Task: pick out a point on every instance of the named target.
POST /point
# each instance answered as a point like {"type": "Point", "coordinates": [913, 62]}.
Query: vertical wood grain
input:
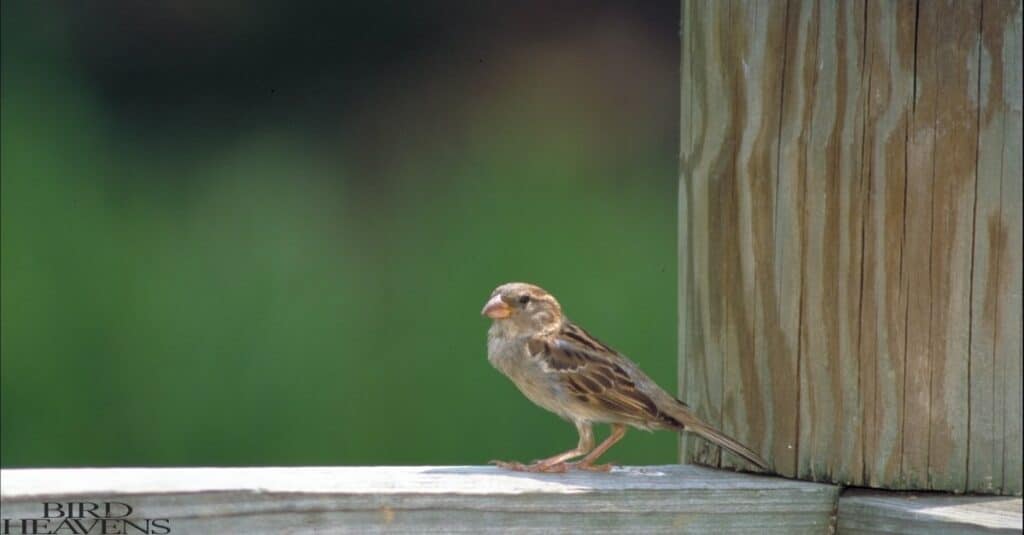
{"type": "Point", "coordinates": [1009, 346]}
{"type": "Point", "coordinates": [953, 203]}
{"type": "Point", "coordinates": [883, 310]}
{"type": "Point", "coordinates": [916, 271]}
{"type": "Point", "coordinates": [684, 222]}
{"type": "Point", "coordinates": [987, 388]}
{"type": "Point", "coordinates": [755, 82]}
{"type": "Point", "coordinates": [776, 302]}
{"type": "Point", "coordinates": [734, 230]}
{"type": "Point", "coordinates": [832, 260]}
{"type": "Point", "coordinates": [790, 165]}
{"type": "Point", "coordinates": [853, 190]}
{"type": "Point", "coordinates": [743, 184]}
{"type": "Point", "coordinates": [850, 221]}
{"type": "Point", "coordinates": [706, 136]}
{"type": "Point", "coordinates": [1009, 266]}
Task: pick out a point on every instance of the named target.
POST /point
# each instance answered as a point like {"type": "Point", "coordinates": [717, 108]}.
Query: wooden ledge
{"type": "Point", "coordinates": [870, 511]}
{"type": "Point", "coordinates": [670, 498]}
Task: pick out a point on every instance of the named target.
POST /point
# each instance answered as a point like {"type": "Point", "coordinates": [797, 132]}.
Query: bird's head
{"type": "Point", "coordinates": [523, 309]}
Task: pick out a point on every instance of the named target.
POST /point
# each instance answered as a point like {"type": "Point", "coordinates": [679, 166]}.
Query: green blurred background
{"type": "Point", "coordinates": [262, 233]}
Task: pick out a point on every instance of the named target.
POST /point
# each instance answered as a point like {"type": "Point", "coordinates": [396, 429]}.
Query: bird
{"type": "Point", "coordinates": [560, 367]}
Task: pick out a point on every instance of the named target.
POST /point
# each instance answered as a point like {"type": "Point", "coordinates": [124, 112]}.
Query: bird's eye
{"type": "Point", "coordinates": [523, 299]}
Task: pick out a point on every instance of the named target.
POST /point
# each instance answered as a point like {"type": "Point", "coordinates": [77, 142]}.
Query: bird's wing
{"type": "Point", "coordinates": [604, 379]}
{"type": "Point", "coordinates": [596, 374]}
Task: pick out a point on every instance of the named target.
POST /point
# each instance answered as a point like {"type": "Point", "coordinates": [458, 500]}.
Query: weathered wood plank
{"type": "Point", "coordinates": [736, 329]}
{"type": "Point", "coordinates": [1009, 350]}
{"type": "Point", "coordinates": [680, 499]}
{"type": "Point", "coordinates": [852, 189]}
{"type": "Point", "coordinates": [684, 223]}
{"type": "Point", "coordinates": [865, 511]}
{"type": "Point", "coordinates": [775, 352]}
{"type": "Point", "coordinates": [743, 64]}
{"type": "Point", "coordinates": [708, 117]}
{"type": "Point", "coordinates": [992, 276]}
{"type": "Point", "coordinates": [755, 78]}
{"type": "Point", "coordinates": [691, 322]}
{"type": "Point", "coordinates": [955, 161]}
{"type": "Point", "coordinates": [790, 165]}
{"type": "Point", "coordinates": [818, 312]}
{"type": "Point", "coordinates": [883, 311]}
{"type": "Point", "coordinates": [458, 521]}
{"type": "Point", "coordinates": [832, 261]}
{"type": "Point", "coordinates": [747, 189]}
{"type": "Point", "coordinates": [916, 275]}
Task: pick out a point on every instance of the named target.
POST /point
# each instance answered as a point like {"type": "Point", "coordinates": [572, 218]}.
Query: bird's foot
{"type": "Point", "coordinates": [536, 467]}
{"type": "Point", "coordinates": [509, 465]}
{"type": "Point", "coordinates": [593, 467]}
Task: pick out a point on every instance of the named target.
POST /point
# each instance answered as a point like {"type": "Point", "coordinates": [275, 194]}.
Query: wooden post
{"type": "Point", "coordinates": [850, 238]}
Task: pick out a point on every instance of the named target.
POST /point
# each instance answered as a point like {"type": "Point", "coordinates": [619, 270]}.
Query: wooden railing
{"type": "Point", "coordinates": [430, 498]}
{"type": "Point", "coordinates": [467, 499]}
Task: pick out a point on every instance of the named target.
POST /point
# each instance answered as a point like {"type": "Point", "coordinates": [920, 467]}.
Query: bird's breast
{"type": "Point", "coordinates": [507, 355]}
{"type": "Point", "coordinates": [510, 357]}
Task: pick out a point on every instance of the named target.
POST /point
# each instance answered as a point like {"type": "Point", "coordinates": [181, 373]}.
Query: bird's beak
{"type": "Point", "coordinates": [496, 308]}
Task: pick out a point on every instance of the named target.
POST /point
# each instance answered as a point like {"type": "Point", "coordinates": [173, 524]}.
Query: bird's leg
{"type": "Point", "coordinates": [556, 463]}
{"type": "Point", "coordinates": [587, 463]}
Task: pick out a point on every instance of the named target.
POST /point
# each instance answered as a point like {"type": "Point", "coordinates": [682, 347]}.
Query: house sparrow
{"type": "Point", "coordinates": [562, 368]}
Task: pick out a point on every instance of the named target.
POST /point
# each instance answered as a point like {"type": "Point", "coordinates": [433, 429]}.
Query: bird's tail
{"type": "Point", "coordinates": [721, 439]}
{"type": "Point", "coordinates": [692, 423]}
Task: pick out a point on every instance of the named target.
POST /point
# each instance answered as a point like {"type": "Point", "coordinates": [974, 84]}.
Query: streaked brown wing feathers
{"type": "Point", "coordinates": [588, 370]}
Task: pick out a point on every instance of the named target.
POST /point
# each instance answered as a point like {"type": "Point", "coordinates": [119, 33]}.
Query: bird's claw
{"type": "Point", "coordinates": [593, 467]}
{"type": "Point", "coordinates": [509, 465]}
{"type": "Point", "coordinates": [536, 467]}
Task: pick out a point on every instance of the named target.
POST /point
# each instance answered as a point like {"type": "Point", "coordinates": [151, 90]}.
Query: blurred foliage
{"type": "Point", "coordinates": [264, 237]}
